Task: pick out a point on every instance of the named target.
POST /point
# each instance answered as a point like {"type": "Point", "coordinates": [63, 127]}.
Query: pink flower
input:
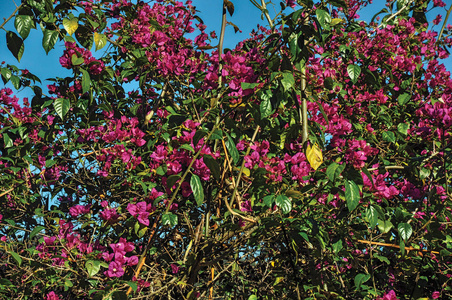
{"type": "Point", "coordinates": [436, 295]}
{"type": "Point", "coordinates": [52, 296]}
{"type": "Point", "coordinates": [175, 268]}
{"type": "Point", "coordinates": [438, 3]}
{"type": "Point", "coordinates": [391, 295]}
{"type": "Point", "coordinates": [437, 20]}
{"type": "Point", "coordinates": [290, 3]}
{"type": "Point", "coordinates": [114, 270]}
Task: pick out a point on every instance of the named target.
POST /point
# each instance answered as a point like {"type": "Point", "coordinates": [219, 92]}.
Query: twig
{"type": "Point", "coordinates": [143, 255]}
{"type": "Point", "coordinates": [235, 213]}
{"type": "Point", "coordinates": [243, 164]}
{"type": "Point", "coordinates": [9, 18]}
{"type": "Point", "coordinates": [396, 14]}
{"type": "Point", "coordinates": [265, 12]}
{"type": "Point", "coordinates": [397, 246]}
{"type": "Point", "coordinates": [6, 192]}
{"type": "Point", "coordinates": [387, 168]}
{"type": "Point", "coordinates": [188, 171]}
{"type": "Point", "coordinates": [444, 23]}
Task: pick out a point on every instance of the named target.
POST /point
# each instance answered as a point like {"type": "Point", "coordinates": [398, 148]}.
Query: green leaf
{"type": "Point", "coordinates": [49, 40]}
{"type": "Point", "coordinates": [187, 147]}
{"type": "Point", "coordinates": [70, 25]}
{"type": "Point", "coordinates": [93, 267]}
{"type": "Point", "coordinates": [133, 285]}
{"type": "Point", "coordinates": [389, 136]}
{"type": "Point", "coordinates": [6, 74]}
{"type": "Point", "coordinates": [7, 140]}
{"type": "Point", "coordinates": [36, 230]}
{"type": "Point", "coordinates": [404, 98]}
{"type": "Point", "coordinates": [284, 202]}
{"type": "Point", "coordinates": [372, 216]}
{"type": "Point", "coordinates": [265, 107]}
{"type": "Point", "coordinates": [15, 44]}
{"type": "Point", "coordinates": [338, 3]}
{"type": "Point", "coordinates": [216, 135]}
{"type": "Point", "coordinates": [16, 257]}
{"type": "Point", "coordinates": [324, 18]}
{"type": "Point", "coordinates": [213, 166]}
{"type": "Point", "coordinates": [351, 195]}
{"type": "Point", "coordinates": [405, 230]}
{"type": "Point", "coordinates": [337, 247]}
{"type": "Point", "coordinates": [333, 171]}
{"type": "Point", "coordinates": [360, 279]}
{"type": "Point", "coordinates": [169, 219]}
{"type": "Point", "coordinates": [86, 81]}
{"type": "Point", "coordinates": [403, 128]}
{"type": "Point", "coordinates": [23, 24]}
{"type": "Point", "coordinates": [76, 61]}
{"type": "Point", "coordinates": [196, 187]}
{"type": "Point", "coordinates": [84, 35]}
{"type": "Point", "coordinates": [62, 106]}
{"type": "Point", "coordinates": [171, 180]}
{"type": "Point", "coordinates": [100, 40]}
{"type": "Point", "coordinates": [269, 200]}
{"type": "Point", "coordinates": [354, 71]}
{"type": "Point", "coordinates": [232, 149]}
{"type": "Point", "coordinates": [287, 81]}
{"type": "Point", "coordinates": [252, 297]}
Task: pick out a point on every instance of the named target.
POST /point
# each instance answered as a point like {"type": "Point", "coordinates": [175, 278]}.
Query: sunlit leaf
{"type": "Point", "coordinates": [354, 71]}
{"type": "Point", "coordinates": [314, 156]}
{"type": "Point", "coordinates": [351, 195]}
{"type": "Point", "coordinates": [49, 39]}
{"type": "Point", "coordinates": [23, 24]}
{"type": "Point", "coordinates": [100, 40]}
{"type": "Point", "coordinates": [62, 106]}
{"type": "Point", "coordinates": [405, 230]}
{"type": "Point", "coordinates": [70, 25]}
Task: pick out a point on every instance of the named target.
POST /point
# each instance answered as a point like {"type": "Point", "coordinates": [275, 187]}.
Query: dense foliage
{"type": "Point", "coordinates": [312, 161]}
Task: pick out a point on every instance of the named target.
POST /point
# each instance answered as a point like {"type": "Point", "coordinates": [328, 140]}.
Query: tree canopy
{"type": "Point", "coordinates": [311, 161]}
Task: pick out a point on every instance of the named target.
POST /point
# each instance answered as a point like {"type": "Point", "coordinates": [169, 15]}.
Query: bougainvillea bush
{"type": "Point", "coordinates": [312, 161]}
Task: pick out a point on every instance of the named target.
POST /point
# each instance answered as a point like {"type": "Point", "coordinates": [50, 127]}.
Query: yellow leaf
{"type": "Point", "coordinates": [100, 40]}
{"type": "Point", "coordinates": [336, 21]}
{"type": "Point", "coordinates": [314, 156]}
{"type": "Point", "coordinates": [70, 25]}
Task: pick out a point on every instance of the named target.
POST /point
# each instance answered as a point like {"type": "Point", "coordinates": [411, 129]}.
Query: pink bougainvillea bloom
{"type": "Point", "coordinates": [52, 296]}
{"type": "Point", "coordinates": [290, 3]}
{"type": "Point", "coordinates": [436, 295]}
{"type": "Point", "coordinates": [438, 3]}
{"type": "Point", "coordinates": [437, 20]}
{"type": "Point", "coordinates": [391, 295]}
{"type": "Point", "coordinates": [114, 270]}
{"type": "Point", "coordinates": [175, 268]}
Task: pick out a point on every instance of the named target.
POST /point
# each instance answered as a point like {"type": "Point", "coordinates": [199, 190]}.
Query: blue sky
{"type": "Point", "coordinates": [246, 17]}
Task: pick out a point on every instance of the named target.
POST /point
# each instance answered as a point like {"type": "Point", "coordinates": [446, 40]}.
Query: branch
{"type": "Point", "coordinates": [9, 18]}
{"type": "Point", "coordinates": [387, 168]}
{"type": "Point", "coordinates": [396, 14]}
{"type": "Point", "coordinates": [6, 192]}
{"type": "Point", "coordinates": [444, 24]}
{"type": "Point", "coordinates": [143, 255]}
{"type": "Point", "coordinates": [265, 12]}
{"type": "Point", "coordinates": [243, 165]}
{"type": "Point", "coordinates": [188, 170]}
